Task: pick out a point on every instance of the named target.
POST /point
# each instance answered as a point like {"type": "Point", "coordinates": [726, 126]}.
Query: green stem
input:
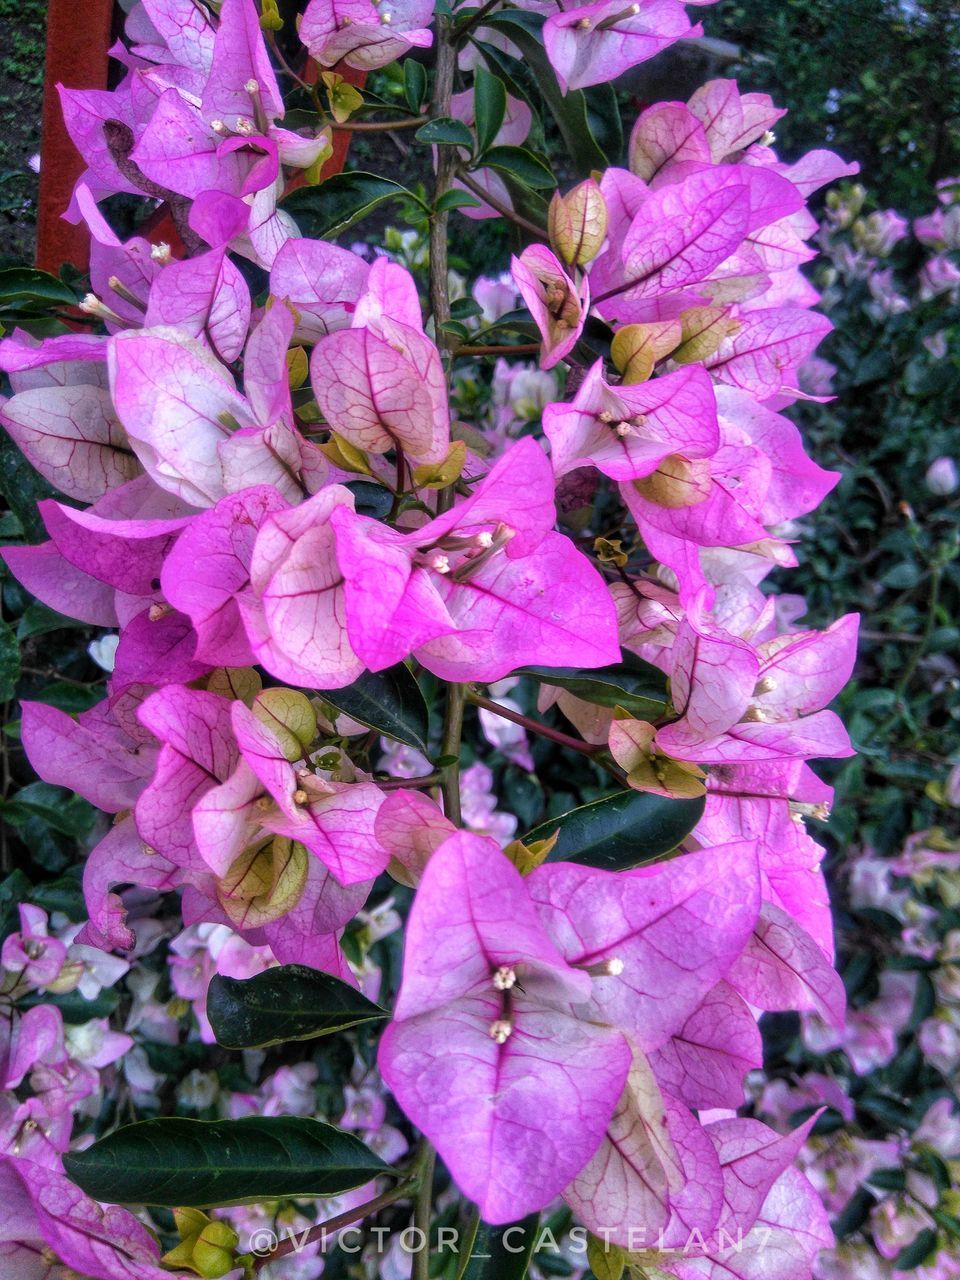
{"type": "Point", "coordinates": [422, 1211]}
{"type": "Point", "coordinates": [503, 209]}
{"type": "Point", "coordinates": [450, 748]}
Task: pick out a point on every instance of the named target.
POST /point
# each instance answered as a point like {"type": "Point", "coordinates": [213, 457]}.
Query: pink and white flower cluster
{"type": "Point", "coordinates": [573, 1032]}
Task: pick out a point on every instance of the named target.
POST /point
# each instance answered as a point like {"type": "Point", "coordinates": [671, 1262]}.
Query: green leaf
{"type": "Point", "coordinates": [489, 106]}
{"type": "Point", "coordinates": [620, 831]}
{"type": "Point", "coordinates": [178, 1162]}
{"type": "Point", "coordinates": [502, 1253]}
{"type": "Point", "coordinates": [38, 618]}
{"type": "Point", "coordinates": [465, 308]}
{"type": "Point", "coordinates": [445, 131]}
{"type": "Point", "coordinates": [55, 806]}
{"type": "Point", "coordinates": [329, 208]}
{"type": "Point", "coordinates": [456, 200]}
{"type": "Point", "coordinates": [633, 684]}
{"type": "Point", "coordinates": [917, 1251]}
{"type": "Point", "coordinates": [292, 1002]}
{"type": "Point", "coordinates": [521, 165]}
{"type": "Point", "coordinates": [9, 662]}
{"type": "Point", "coordinates": [569, 110]}
{"type": "Point", "coordinates": [26, 287]}
{"type": "Point", "coordinates": [75, 1008]}
{"type": "Point", "coordinates": [414, 84]}
{"type": "Point", "coordinates": [388, 701]}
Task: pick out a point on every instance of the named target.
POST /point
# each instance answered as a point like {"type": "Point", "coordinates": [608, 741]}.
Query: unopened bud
{"type": "Point", "coordinates": [440, 563]}
{"type": "Point", "coordinates": [577, 223]}
{"type": "Point", "coordinates": [501, 1031]}
{"type": "Point", "coordinates": [251, 87]}
{"type": "Point", "coordinates": [161, 253]}
{"type": "Point", "coordinates": [218, 126]}
{"type": "Point", "coordinates": [157, 611]}
{"type": "Point", "coordinates": [246, 128]}
{"type": "Point", "coordinates": [941, 477]}
{"type": "Point", "coordinates": [485, 539]}
{"type": "Point", "coordinates": [300, 797]}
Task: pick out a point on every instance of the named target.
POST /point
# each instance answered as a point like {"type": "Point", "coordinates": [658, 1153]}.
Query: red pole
{"type": "Point", "coordinates": [78, 37]}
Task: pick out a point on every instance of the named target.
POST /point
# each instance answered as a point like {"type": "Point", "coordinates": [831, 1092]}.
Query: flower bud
{"type": "Point", "coordinates": [213, 1253]}
{"type": "Point", "coordinates": [577, 223]}
{"type": "Point", "coordinates": [941, 477]}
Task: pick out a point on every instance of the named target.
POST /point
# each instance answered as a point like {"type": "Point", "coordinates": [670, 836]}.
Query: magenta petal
{"type": "Point", "coordinates": [583, 52]}
{"type": "Point", "coordinates": [210, 566]}
{"type": "Point", "coordinates": [239, 56]}
{"type": "Point", "coordinates": [380, 392]}
{"type": "Point", "coordinates": [664, 134]}
{"type": "Point", "coordinates": [322, 281]}
{"type": "Point", "coordinates": [72, 437]}
{"type": "Point", "coordinates": [515, 1122]}
{"type": "Point", "coordinates": [106, 767]}
{"type": "Point", "coordinates": [205, 297]}
{"type": "Point", "coordinates": [625, 1188]}
{"type": "Point", "coordinates": [752, 1158]}
{"type": "Point", "coordinates": [783, 968]}
{"type": "Point", "coordinates": [158, 650]}
{"type": "Point", "coordinates": [176, 402]}
{"type": "Point", "coordinates": [120, 858]}
{"type": "Point", "coordinates": [471, 915]}
{"type": "Point", "coordinates": [61, 585]}
{"type": "Point", "coordinates": [549, 608]}
{"type": "Point", "coordinates": [705, 1062]}
{"type": "Point", "coordinates": [676, 929]}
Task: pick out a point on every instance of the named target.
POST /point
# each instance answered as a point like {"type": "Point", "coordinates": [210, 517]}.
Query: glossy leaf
{"type": "Point", "coordinates": [174, 1161]}
{"type": "Point", "coordinates": [292, 1002]}
{"type": "Point", "coordinates": [502, 1253]}
{"type": "Point", "coordinates": [331, 207]}
{"type": "Point", "coordinates": [632, 684]}
{"type": "Point", "coordinates": [388, 701]}
{"type": "Point", "coordinates": [570, 110]}
{"type": "Point", "coordinates": [414, 83]}
{"type": "Point", "coordinates": [489, 107]}
{"type": "Point", "coordinates": [619, 831]}
{"type": "Point", "coordinates": [25, 287]}
{"type": "Point", "coordinates": [446, 131]}
{"type": "Point", "coordinates": [521, 165]}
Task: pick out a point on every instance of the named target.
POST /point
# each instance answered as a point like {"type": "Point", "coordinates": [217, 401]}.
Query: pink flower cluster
{"type": "Point", "coordinates": [572, 1032]}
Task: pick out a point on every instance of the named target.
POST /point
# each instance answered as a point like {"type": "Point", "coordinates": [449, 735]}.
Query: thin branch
{"type": "Point", "coordinates": [535, 726]}
{"type": "Point", "coordinates": [294, 1243]}
{"type": "Point", "coordinates": [379, 126]}
{"type": "Point", "coordinates": [422, 1212]}
{"type": "Point", "coordinates": [503, 209]}
{"type": "Point", "coordinates": [521, 349]}
{"type": "Point", "coordinates": [397, 784]}
{"type": "Point", "coordinates": [476, 20]}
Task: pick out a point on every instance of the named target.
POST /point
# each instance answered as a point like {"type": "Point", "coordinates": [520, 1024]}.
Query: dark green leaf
{"type": "Point", "coordinates": [502, 1253]}
{"type": "Point", "coordinates": [75, 1008]}
{"type": "Point", "coordinates": [292, 1002]}
{"type": "Point", "coordinates": [26, 287]}
{"type": "Point", "coordinates": [917, 1251]}
{"type": "Point", "coordinates": [465, 308]}
{"type": "Point", "coordinates": [521, 165]}
{"type": "Point", "coordinates": [54, 806]}
{"type": "Point", "coordinates": [175, 1161]}
{"type": "Point", "coordinates": [633, 684]}
{"type": "Point", "coordinates": [38, 618]}
{"type": "Point", "coordinates": [9, 662]}
{"type": "Point", "coordinates": [414, 83]}
{"type": "Point", "coordinates": [569, 110]}
{"type": "Point", "coordinates": [620, 831]}
{"type": "Point", "coordinates": [447, 131]}
{"type": "Point", "coordinates": [388, 701]}
{"type": "Point", "coordinates": [456, 200]}
{"type": "Point", "coordinates": [489, 106]}
{"type": "Point", "coordinates": [370, 499]}
{"type": "Point", "coordinates": [331, 207]}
